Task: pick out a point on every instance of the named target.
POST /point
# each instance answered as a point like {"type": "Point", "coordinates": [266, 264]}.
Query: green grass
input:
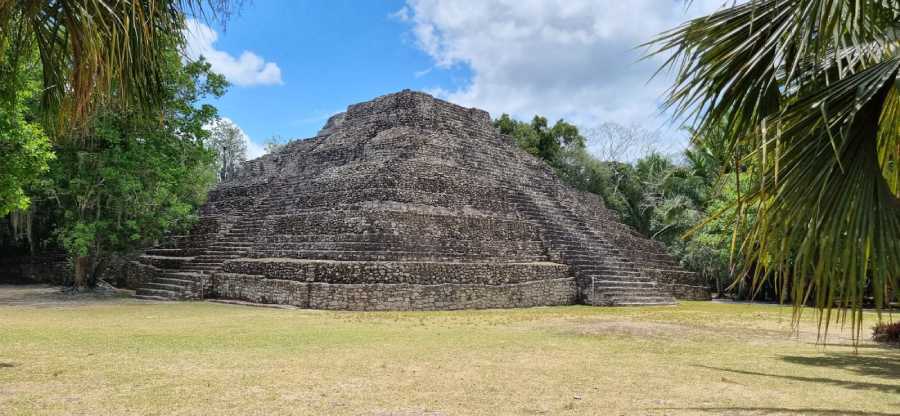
{"type": "Point", "coordinates": [120, 356]}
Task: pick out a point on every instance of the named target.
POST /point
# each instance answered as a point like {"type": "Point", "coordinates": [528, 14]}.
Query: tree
{"type": "Point", "coordinates": [705, 245]}
{"type": "Point", "coordinates": [134, 178]}
{"type": "Point", "coordinates": [808, 88]}
{"type": "Point", "coordinates": [613, 141]}
{"type": "Point", "coordinates": [89, 54]}
{"type": "Point", "coordinates": [24, 146]}
{"type": "Point", "coordinates": [227, 140]}
{"type": "Point", "coordinates": [94, 51]}
{"type": "Point", "coordinates": [539, 139]}
{"type": "Point", "coordinates": [274, 144]}
{"type": "Point", "coordinates": [655, 196]}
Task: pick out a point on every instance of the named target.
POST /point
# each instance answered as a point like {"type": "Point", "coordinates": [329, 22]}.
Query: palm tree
{"type": "Point", "coordinates": [809, 88]}
{"type": "Point", "coordinates": [90, 48]}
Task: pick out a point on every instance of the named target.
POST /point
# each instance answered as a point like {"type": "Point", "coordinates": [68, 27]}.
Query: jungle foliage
{"type": "Point", "coordinates": [662, 198]}
{"type": "Point", "coordinates": [808, 93]}
{"type": "Point", "coordinates": [134, 177]}
{"type": "Point", "coordinates": [120, 181]}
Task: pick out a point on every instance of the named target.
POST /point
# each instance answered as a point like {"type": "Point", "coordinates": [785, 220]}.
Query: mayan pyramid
{"type": "Point", "coordinates": [409, 202]}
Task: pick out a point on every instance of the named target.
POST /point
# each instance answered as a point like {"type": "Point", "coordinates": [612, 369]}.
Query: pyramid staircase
{"type": "Point", "coordinates": [605, 276]}
{"type": "Point", "coordinates": [184, 276]}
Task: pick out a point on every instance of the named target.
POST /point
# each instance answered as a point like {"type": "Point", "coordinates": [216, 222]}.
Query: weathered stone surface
{"type": "Point", "coordinates": [409, 202]}
{"type": "Point", "coordinates": [396, 296]}
{"type": "Point", "coordinates": [391, 272]}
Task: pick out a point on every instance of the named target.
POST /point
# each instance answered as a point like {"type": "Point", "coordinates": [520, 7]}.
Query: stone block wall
{"type": "Point", "coordinates": [390, 272]}
{"type": "Point", "coordinates": [50, 267]}
{"type": "Point", "coordinates": [397, 296]}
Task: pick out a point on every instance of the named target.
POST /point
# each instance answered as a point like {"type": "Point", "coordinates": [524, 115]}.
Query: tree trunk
{"type": "Point", "coordinates": [82, 272]}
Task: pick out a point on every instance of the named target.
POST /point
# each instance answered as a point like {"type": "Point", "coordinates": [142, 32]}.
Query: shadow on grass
{"type": "Point", "coordinates": [885, 364]}
{"type": "Point", "coordinates": [853, 385]}
{"type": "Point", "coordinates": [780, 411]}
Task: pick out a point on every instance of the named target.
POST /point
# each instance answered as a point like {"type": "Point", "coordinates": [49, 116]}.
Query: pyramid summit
{"type": "Point", "coordinates": [409, 202]}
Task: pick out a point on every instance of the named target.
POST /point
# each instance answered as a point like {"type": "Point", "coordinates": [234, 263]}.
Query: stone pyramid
{"type": "Point", "coordinates": [409, 202]}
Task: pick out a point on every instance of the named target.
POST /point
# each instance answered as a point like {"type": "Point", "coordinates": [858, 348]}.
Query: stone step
{"type": "Point", "coordinates": [583, 262]}
{"type": "Point", "coordinates": [235, 241]}
{"type": "Point", "coordinates": [626, 288]}
{"type": "Point", "coordinates": [159, 257]}
{"type": "Point", "coordinates": [223, 242]}
{"type": "Point", "coordinates": [214, 257]}
{"type": "Point", "coordinates": [157, 292]}
{"type": "Point", "coordinates": [643, 301]}
{"type": "Point", "coordinates": [170, 252]}
{"type": "Point", "coordinates": [151, 297]}
{"type": "Point", "coordinates": [164, 286]}
{"type": "Point", "coordinates": [228, 247]}
{"type": "Point", "coordinates": [380, 238]}
{"type": "Point", "coordinates": [244, 230]}
{"type": "Point", "coordinates": [225, 253]}
{"type": "Point", "coordinates": [618, 292]}
{"type": "Point", "coordinates": [170, 281]}
{"type": "Point", "coordinates": [601, 272]}
{"type": "Point", "coordinates": [182, 275]}
{"type": "Point", "coordinates": [203, 267]}
{"type": "Point", "coordinates": [164, 262]}
{"type": "Point", "coordinates": [629, 284]}
{"type": "Point", "coordinates": [391, 255]}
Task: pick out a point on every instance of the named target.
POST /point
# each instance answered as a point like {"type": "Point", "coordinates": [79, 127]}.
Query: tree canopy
{"type": "Point", "coordinates": [226, 140]}
{"type": "Point", "coordinates": [133, 180]}
{"type": "Point", "coordinates": [539, 139]}
{"type": "Point", "coordinates": [24, 143]}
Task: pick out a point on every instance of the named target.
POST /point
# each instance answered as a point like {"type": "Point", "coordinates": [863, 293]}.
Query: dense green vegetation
{"type": "Point", "coordinates": [121, 155]}
{"type": "Point", "coordinates": [807, 92]}
{"type": "Point", "coordinates": [134, 178]}
{"type": "Point", "coordinates": [128, 177]}
{"type": "Point", "coordinates": [23, 142]}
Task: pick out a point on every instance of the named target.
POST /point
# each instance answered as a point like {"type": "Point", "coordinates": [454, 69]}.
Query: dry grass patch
{"type": "Point", "coordinates": [120, 356]}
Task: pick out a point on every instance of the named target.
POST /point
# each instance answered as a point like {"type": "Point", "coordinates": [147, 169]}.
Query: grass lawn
{"type": "Point", "coordinates": [123, 356]}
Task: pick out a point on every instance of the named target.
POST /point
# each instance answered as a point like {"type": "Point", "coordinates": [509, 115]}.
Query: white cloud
{"type": "Point", "coordinates": [245, 70]}
{"type": "Point", "coordinates": [575, 59]}
{"type": "Point", "coordinates": [254, 150]}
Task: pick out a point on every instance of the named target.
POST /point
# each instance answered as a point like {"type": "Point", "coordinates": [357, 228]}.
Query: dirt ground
{"type": "Point", "coordinates": [42, 296]}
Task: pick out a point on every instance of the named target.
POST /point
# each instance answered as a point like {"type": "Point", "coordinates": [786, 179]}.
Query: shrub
{"type": "Point", "coordinates": [887, 332]}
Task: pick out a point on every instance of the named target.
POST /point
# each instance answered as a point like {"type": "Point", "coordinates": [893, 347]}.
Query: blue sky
{"type": "Point", "coordinates": [294, 63]}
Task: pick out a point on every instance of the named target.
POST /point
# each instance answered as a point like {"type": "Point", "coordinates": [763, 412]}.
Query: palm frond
{"type": "Point", "coordinates": [101, 50]}
{"type": "Point", "coordinates": [807, 92]}
{"type": "Point", "coordinates": [734, 65]}
{"type": "Point", "coordinates": [830, 223]}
